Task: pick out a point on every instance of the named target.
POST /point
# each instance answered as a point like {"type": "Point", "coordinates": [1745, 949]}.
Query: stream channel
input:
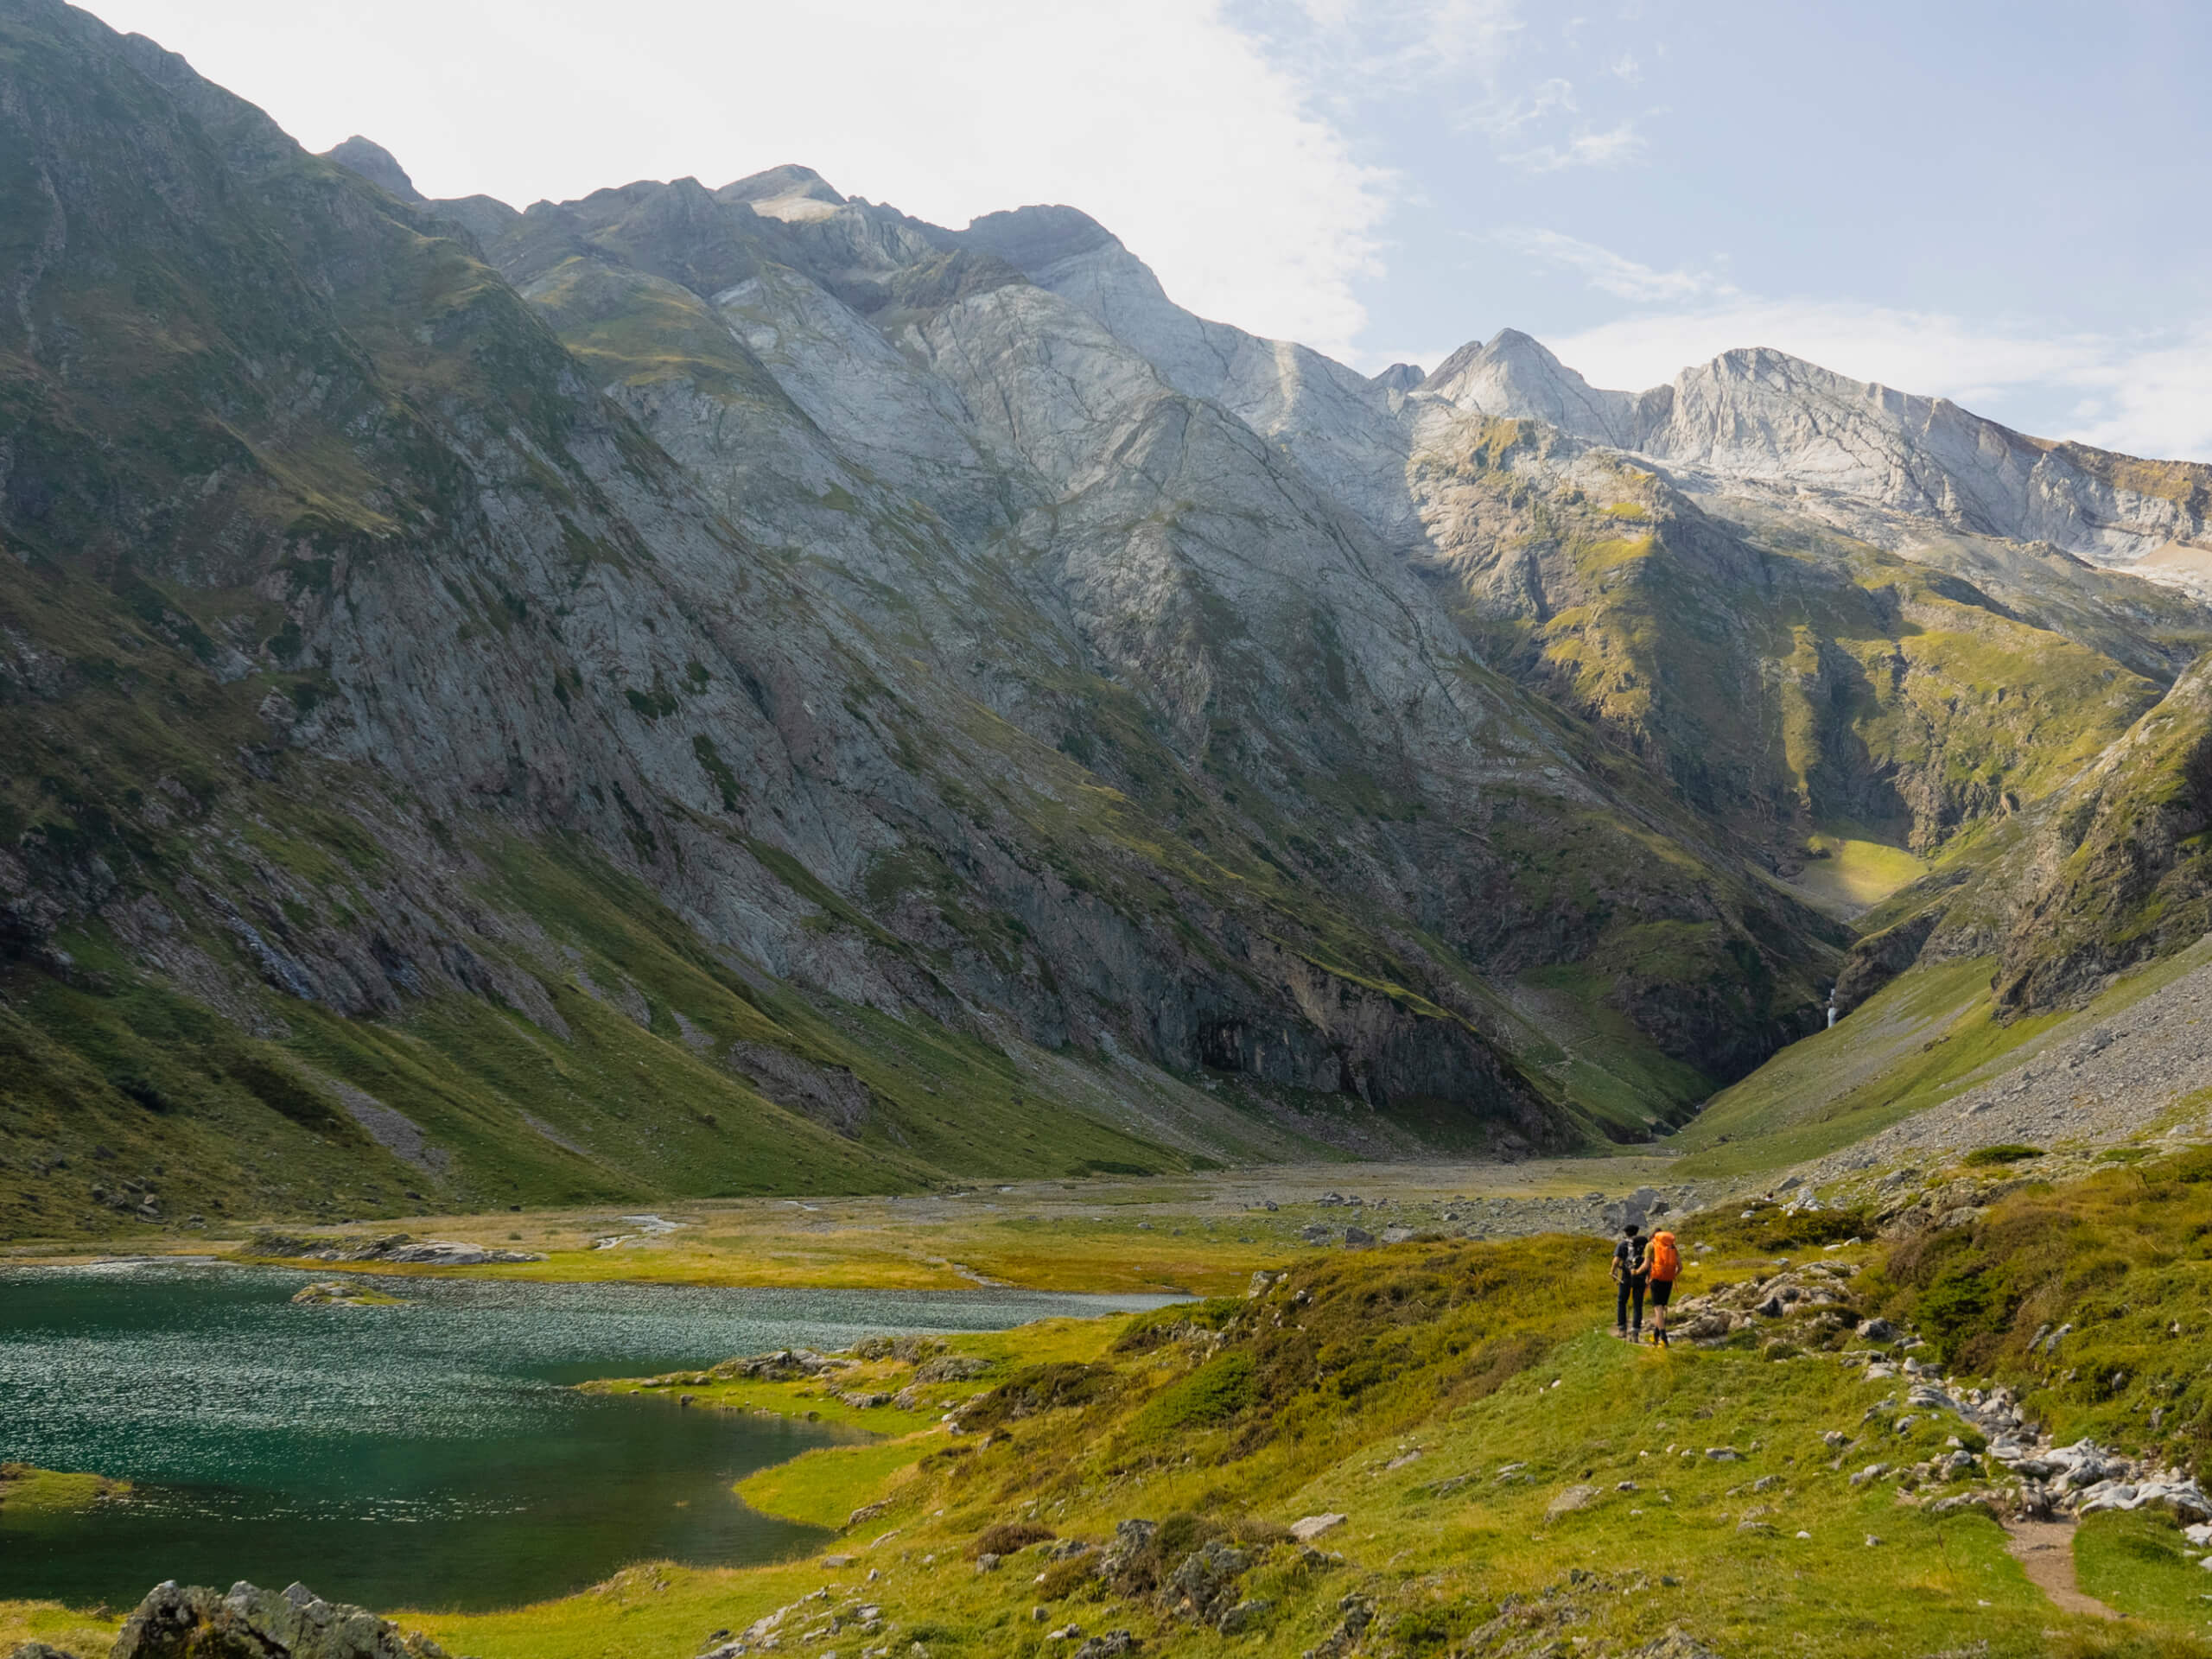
{"type": "Point", "coordinates": [430, 1455]}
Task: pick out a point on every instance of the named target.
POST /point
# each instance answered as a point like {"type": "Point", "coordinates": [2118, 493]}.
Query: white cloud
{"type": "Point", "coordinates": [2154, 400]}
{"type": "Point", "coordinates": [1172, 127]}
{"type": "Point", "coordinates": [1607, 271]}
{"type": "Point", "coordinates": [1388, 46]}
{"type": "Point", "coordinates": [1611, 148]}
{"type": "Point", "coordinates": [1472, 57]}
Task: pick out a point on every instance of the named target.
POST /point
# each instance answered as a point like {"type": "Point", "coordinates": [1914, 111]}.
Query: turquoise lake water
{"type": "Point", "coordinates": [430, 1455]}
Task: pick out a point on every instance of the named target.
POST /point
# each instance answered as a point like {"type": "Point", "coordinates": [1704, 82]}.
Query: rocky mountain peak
{"type": "Point", "coordinates": [1516, 376]}
{"type": "Point", "coordinates": [789, 192]}
{"type": "Point", "coordinates": [1035, 240]}
{"type": "Point", "coordinates": [376, 164]}
{"type": "Point", "coordinates": [789, 180]}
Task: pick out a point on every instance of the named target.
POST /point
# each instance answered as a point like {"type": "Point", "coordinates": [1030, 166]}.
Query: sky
{"type": "Point", "coordinates": [1998, 203]}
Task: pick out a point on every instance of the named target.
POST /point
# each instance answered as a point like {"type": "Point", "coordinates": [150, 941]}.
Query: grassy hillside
{"type": "Point", "coordinates": [1781, 677]}
{"type": "Point", "coordinates": [619, 1085]}
{"type": "Point", "coordinates": [1927, 1035]}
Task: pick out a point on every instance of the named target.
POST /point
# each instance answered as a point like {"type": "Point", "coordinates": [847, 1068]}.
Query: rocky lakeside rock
{"type": "Point", "coordinates": [332, 1293]}
{"type": "Point", "coordinates": [246, 1622]}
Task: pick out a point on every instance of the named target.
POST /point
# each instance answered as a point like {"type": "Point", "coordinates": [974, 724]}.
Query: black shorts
{"type": "Point", "coordinates": [1658, 1291]}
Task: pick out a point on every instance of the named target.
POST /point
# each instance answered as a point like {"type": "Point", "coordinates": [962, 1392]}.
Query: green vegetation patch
{"type": "Point", "coordinates": [823, 1487]}
{"type": "Point", "coordinates": [2011, 1152]}
{"type": "Point", "coordinates": [26, 1491]}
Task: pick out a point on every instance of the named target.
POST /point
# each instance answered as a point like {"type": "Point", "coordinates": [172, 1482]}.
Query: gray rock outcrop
{"type": "Point", "coordinates": [246, 1622]}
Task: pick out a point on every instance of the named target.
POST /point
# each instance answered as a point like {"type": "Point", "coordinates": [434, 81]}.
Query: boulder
{"type": "Point", "coordinates": [780, 1365]}
{"type": "Point", "coordinates": [1202, 1586]}
{"type": "Point", "coordinates": [175, 1621]}
{"type": "Point", "coordinates": [1574, 1498]}
{"type": "Point", "coordinates": [1112, 1645]}
{"type": "Point", "coordinates": [1358, 1235]}
{"type": "Point", "coordinates": [1245, 1615]}
{"type": "Point", "coordinates": [1674, 1645]}
{"type": "Point", "coordinates": [951, 1368]}
{"type": "Point", "coordinates": [1131, 1538]}
{"type": "Point", "coordinates": [1312, 1526]}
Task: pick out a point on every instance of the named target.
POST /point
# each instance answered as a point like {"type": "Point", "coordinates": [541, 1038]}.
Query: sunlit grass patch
{"type": "Point", "coordinates": [824, 1486]}
{"type": "Point", "coordinates": [25, 1490]}
{"type": "Point", "coordinates": [1846, 873]}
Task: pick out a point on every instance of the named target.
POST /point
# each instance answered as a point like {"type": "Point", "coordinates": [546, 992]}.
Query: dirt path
{"type": "Point", "coordinates": [2045, 1550]}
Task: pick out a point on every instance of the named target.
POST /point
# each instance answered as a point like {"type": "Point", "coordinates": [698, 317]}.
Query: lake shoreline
{"type": "Point", "coordinates": [442, 1445]}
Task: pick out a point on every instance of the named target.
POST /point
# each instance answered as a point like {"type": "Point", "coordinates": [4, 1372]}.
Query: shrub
{"type": "Point", "coordinates": [1981, 1157]}
{"type": "Point", "coordinates": [1166, 1325]}
{"type": "Point", "coordinates": [1007, 1536]}
{"type": "Point", "coordinates": [1063, 1579]}
{"type": "Point", "coordinates": [1217, 1391]}
{"type": "Point", "coordinates": [1056, 1387]}
{"type": "Point", "coordinates": [1770, 1231]}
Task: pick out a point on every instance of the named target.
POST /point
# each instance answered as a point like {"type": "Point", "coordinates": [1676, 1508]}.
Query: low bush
{"type": "Point", "coordinates": [1058, 1386]}
{"type": "Point", "coordinates": [1007, 1536]}
{"type": "Point", "coordinates": [2015, 1152]}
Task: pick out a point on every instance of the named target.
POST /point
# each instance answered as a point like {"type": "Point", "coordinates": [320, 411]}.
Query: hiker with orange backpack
{"type": "Point", "coordinates": [1663, 1265]}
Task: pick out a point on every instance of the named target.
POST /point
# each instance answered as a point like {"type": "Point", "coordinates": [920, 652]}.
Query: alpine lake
{"type": "Point", "coordinates": [431, 1453]}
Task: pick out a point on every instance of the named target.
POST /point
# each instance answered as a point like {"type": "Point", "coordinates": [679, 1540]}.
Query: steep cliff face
{"type": "Point", "coordinates": [1143, 551]}
{"type": "Point", "coordinates": [704, 689]}
{"type": "Point", "coordinates": [739, 691]}
{"type": "Point", "coordinates": [2119, 873]}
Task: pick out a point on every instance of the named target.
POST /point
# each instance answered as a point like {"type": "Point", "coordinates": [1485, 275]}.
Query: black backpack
{"type": "Point", "coordinates": [1628, 1253]}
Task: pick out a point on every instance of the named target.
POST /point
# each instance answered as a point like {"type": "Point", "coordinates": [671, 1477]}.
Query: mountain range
{"type": "Point", "coordinates": [701, 690]}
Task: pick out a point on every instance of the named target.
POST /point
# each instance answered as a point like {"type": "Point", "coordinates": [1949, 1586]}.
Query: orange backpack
{"type": "Point", "coordinates": [1666, 1260]}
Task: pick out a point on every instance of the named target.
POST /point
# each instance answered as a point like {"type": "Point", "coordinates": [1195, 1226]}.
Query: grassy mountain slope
{"type": "Point", "coordinates": [1786, 679]}
{"type": "Point", "coordinates": [2120, 873]}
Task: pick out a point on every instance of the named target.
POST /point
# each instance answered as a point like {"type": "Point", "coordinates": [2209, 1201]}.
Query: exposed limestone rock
{"type": "Point", "coordinates": [249, 1622]}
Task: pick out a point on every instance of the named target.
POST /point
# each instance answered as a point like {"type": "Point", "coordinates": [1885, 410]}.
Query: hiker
{"type": "Point", "coordinates": [1663, 1265]}
{"type": "Point", "coordinates": [1628, 1273]}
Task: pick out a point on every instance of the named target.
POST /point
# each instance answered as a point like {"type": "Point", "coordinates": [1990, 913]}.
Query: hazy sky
{"type": "Point", "coordinates": [2000, 203]}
